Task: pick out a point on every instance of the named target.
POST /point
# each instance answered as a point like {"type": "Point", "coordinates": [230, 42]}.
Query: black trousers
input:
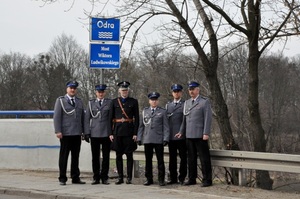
{"type": "Point", "coordinates": [199, 147]}
{"type": "Point", "coordinates": [177, 147]}
{"type": "Point", "coordinates": [69, 144]}
{"type": "Point", "coordinates": [124, 147]}
{"type": "Point", "coordinates": [159, 152]}
{"type": "Point", "coordinates": [104, 144]}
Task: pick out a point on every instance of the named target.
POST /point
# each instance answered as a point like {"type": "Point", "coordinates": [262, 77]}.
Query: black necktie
{"type": "Point", "coordinates": [152, 111]}
{"type": "Point", "coordinates": [193, 102]}
{"type": "Point", "coordinates": [176, 103]}
{"type": "Point", "coordinates": [100, 102]}
{"type": "Point", "coordinates": [72, 102]}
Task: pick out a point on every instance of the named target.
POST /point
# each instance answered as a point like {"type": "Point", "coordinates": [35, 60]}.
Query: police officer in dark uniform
{"type": "Point", "coordinates": [68, 121]}
{"type": "Point", "coordinates": [125, 114]}
{"type": "Point", "coordinates": [154, 134]}
{"type": "Point", "coordinates": [176, 145]}
{"type": "Point", "coordinates": [97, 131]}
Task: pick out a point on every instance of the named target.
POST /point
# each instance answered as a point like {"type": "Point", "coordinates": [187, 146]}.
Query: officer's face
{"type": "Point", "coordinates": [194, 91]}
{"type": "Point", "coordinates": [71, 91]}
{"type": "Point", "coordinates": [100, 94]}
{"type": "Point", "coordinates": [124, 93]}
{"type": "Point", "coordinates": [177, 94]}
{"type": "Point", "coordinates": [153, 103]}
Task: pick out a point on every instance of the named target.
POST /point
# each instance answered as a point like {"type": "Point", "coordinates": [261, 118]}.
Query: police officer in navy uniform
{"type": "Point", "coordinates": [97, 132]}
{"type": "Point", "coordinates": [68, 121]}
{"type": "Point", "coordinates": [176, 145]}
{"type": "Point", "coordinates": [125, 114]}
{"type": "Point", "coordinates": [196, 127]}
{"type": "Point", "coordinates": [154, 134]}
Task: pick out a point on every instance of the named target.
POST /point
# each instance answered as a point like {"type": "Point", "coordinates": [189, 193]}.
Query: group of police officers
{"type": "Point", "coordinates": [115, 124]}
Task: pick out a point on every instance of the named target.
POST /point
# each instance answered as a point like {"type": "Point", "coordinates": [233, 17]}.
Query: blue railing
{"type": "Point", "coordinates": [28, 112]}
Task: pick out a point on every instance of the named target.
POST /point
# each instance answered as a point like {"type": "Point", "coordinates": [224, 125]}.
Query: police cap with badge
{"type": "Point", "coordinates": [100, 87]}
{"type": "Point", "coordinates": [124, 85]}
{"type": "Point", "coordinates": [176, 87]}
{"type": "Point", "coordinates": [153, 95]}
{"type": "Point", "coordinates": [72, 84]}
{"type": "Point", "coordinates": [193, 84]}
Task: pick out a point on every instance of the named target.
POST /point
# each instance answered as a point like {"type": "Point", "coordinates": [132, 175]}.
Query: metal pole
{"type": "Point", "coordinates": [101, 76]}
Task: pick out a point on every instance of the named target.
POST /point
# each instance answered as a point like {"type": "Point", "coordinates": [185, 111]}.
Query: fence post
{"type": "Point", "coordinates": [242, 177]}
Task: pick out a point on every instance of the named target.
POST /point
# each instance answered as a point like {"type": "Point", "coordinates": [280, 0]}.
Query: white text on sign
{"type": "Point", "coordinates": [100, 24]}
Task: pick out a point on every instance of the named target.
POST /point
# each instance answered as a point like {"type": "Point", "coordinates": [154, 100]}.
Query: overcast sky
{"type": "Point", "coordinates": [29, 28]}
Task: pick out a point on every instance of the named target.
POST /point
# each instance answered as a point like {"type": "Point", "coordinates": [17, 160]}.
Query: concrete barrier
{"type": "Point", "coordinates": [32, 144]}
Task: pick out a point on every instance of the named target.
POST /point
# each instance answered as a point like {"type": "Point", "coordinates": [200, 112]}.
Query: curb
{"type": "Point", "coordinates": [36, 194]}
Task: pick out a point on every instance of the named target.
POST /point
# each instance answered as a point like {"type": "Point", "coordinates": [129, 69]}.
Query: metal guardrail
{"type": "Point", "coordinates": [17, 113]}
{"type": "Point", "coordinates": [241, 160]}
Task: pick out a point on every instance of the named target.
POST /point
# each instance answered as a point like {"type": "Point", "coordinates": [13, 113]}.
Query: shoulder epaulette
{"type": "Point", "coordinates": [161, 108]}
{"type": "Point", "coordinates": [204, 97]}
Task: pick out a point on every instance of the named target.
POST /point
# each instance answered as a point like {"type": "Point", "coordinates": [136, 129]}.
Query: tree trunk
{"type": "Point", "coordinates": [259, 141]}
{"type": "Point", "coordinates": [221, 111]}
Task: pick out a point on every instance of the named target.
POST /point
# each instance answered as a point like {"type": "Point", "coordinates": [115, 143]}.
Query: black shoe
{"type": "Point", "coordinates": [206, 184]}
{"type": "Point", "coordinates": [95, 182]}
{"type": "Point", "coordinates": [181, 182]}
{"type": "Point", "coordinates": [105, 181]}
{"type": "Point", "coordinates": [128, 181]}
{"type": "Point", "coordinates": [148, 182]}
{"type": "Point", "coordinates": [62, 183]}
{"type": "Point", "coordinates": [172, 182]}
{"type": "Point", "coordinates": [78, 182]}
{"type": "Point", "coordinates": [161, 183]}
{"type": "Point", "coordinates": [190, 182]}
{"type": "Point", "coordinates": [120, 181]}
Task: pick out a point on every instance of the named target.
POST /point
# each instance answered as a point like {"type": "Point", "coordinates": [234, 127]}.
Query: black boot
{"type": "Point", "coordinates": [119, 181]}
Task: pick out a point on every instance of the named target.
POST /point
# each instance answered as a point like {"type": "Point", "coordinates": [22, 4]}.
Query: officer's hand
{"type": "Point", "coordinates": [87, 138]}
{"type": "Point", "coordinates": [139, 143]}
{"type": "Point", "coordinates": [165, 143]}
{"type": "Point", "coordinates": [178, 135]}
{"type": "Point", "coordinates": [111, 137]}
{"type": "Point", "coordinates": [59, 135]}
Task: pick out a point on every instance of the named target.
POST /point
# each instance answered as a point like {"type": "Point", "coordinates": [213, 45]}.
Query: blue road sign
{"type": "Point", "coordinates": [105, 29]}
{"type": "Point", "coordinates": [105, 56]}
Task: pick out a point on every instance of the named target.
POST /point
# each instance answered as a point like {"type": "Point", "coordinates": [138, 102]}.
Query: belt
{"type": "Point", "coordinates": [122, 120]}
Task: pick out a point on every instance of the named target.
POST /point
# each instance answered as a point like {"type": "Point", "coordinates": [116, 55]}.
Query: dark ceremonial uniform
{"type": "Point", "coordinates": [125, 114]}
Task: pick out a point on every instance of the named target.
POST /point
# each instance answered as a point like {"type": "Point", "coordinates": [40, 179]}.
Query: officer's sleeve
{"type": "Point", "coordinates": [136, 118]}
{"type": "Point", "coordinates": [166, 130]}
{"type": "Point", "coordinates": [141, 130]}
{"type": "Point", "coordinates": [57, 116]}
{"type": "Point", "coordinates": [87, 118]}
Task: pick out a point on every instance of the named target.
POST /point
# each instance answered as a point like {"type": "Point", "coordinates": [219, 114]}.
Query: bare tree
{"type": "Point", "coordinates": [13, 87]}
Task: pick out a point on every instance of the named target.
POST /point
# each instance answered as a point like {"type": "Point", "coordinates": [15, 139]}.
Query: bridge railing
{"type": "Point", "coordinates": [241, 160]}
{"type": "Point", "coordinates": [18, 113]}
